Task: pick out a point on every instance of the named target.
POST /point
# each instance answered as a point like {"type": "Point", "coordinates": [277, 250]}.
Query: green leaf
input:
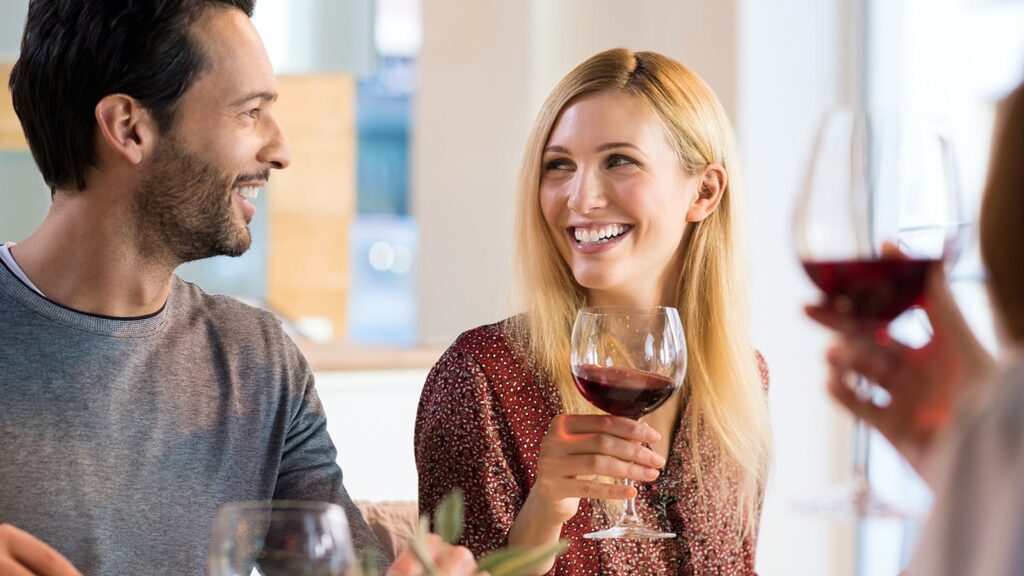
{"type": "Point", "coordinates": [448, 517]}
{"type": "Point", "coordinates": [419, 548]}
{"type": "Point", "coordinates": [366, 565]}
{"type": "Point", "coordinates": [518, 561]}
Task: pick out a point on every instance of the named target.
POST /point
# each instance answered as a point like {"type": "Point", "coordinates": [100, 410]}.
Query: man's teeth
{"type": "Point", "coordinates": [599, 235]}
{"type": "Point", "coordinates": [249, 192]}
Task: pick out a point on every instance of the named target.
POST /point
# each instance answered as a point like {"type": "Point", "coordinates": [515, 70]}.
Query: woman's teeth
{"type": "Point", "coordinates": [599, 235]}
{"type": "Point", "coordinates": [249, 192]}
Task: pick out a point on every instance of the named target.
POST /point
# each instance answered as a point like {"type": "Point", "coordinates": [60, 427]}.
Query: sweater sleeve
{"type": "Point", "coordinates": [459, 445]}
{"type": "Point", "coordinates": [309, 468]}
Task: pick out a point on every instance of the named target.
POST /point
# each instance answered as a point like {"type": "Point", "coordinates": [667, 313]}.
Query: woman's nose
{"type": "Point", "coordinates": [587, 193]}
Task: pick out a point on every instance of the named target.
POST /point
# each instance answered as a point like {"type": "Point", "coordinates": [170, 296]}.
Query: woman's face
{"type": "Point", "coordinates": [615, 198]}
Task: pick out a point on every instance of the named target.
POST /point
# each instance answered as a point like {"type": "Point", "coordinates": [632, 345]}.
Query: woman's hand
{"type": "Point", "coordinates": [22, 554]}
{"type": "Point", "coordinates": [923, 384]}
{"type": "Point", "coordinates": [575, 450]}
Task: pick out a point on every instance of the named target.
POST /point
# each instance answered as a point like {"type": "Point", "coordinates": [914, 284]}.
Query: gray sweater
{"type": "Point", "coordinates": [120, 438]}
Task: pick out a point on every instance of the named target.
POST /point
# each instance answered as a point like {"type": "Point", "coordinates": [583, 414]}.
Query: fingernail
{"type": "Point", "coordinates": [650, 473]}
{"type": "Point", "coordinates": [651, 435]}
{"type": "Point", "coordinates": [657, 460]}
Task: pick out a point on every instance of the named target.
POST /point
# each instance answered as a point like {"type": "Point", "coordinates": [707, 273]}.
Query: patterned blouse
{"type": "Point", "coordinates": [482, 415]}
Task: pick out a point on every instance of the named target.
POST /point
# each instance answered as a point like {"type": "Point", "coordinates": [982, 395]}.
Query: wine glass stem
{"type": "Point", "coordinates": [861, 438]}
{"type": "Point", "coordinates": [629, 515]}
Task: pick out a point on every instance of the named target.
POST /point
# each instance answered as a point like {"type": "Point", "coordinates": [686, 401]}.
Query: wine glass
{"type": "Point", "coordinates": [879, 209]}
{"type": "Point", "coordinates": [628, 361]}
{"type": "Point", "coordinates": [280, 538]}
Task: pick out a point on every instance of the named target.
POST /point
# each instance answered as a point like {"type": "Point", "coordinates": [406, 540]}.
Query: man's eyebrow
{"type": "Point", "coordinates": [261, 95]}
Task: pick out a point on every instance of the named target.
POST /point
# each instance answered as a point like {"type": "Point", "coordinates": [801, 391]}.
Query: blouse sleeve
{"type": "Point", "coordinates": [459, 444]}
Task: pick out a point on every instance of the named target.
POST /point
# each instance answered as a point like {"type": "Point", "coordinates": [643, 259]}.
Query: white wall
{"type": "Point", "coordinates": [776, 65]}
{"type": "Point", "coordinates": [793, 64]}
{"type": "Point", "coordinates": [469, 128]}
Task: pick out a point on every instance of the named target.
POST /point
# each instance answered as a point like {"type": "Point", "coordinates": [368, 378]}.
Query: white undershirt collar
{"type": "Point", "coordinates": [8, 259]}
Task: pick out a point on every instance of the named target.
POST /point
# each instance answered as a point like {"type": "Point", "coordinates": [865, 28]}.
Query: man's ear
{"type": "Point", "coordinates": [713, 182]}
{"type": "Point", "coordinates": [126, 128]}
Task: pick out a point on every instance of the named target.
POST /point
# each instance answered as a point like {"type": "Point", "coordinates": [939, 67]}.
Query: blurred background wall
{"type": "Point", "coordinates": [404, 196]}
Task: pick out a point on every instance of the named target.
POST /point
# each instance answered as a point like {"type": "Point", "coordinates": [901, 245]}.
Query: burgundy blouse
{"type": "Point", "coordinates": [482, 415]}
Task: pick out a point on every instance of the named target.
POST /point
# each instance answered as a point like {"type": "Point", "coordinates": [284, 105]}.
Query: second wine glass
{"type": "Point", "coordinates": [879, 209]}
{"type": "Point", "coordinates": [628, 361]}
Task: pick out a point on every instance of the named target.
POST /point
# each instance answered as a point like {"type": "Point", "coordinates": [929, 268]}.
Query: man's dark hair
{"type": "Point", "coordinates": [76, 52]}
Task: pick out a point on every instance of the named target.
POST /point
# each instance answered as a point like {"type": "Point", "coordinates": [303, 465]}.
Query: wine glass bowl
{"type": "Point", "coordinates": [879, 209]}
{"type": "Point", "coordinates": [628, 361]}
{"type": "Point", "coordinates": [281, 538]}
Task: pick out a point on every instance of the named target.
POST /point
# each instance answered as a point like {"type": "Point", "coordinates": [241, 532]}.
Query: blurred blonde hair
{"type": "Point", "coordinates": [1002, 217]}
{"type": "Point", "coordinates": [726, 395]}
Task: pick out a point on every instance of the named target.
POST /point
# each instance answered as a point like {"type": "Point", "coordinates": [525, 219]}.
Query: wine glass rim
{"type": "Point", "coordinates": [283, 506]}
{"type": "Point", "coordinates": [626, 309]}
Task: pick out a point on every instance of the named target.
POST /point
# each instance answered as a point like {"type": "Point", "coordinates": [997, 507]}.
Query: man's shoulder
{"type": "Point", "coordinates": [227, 316]}
{"type": "Point", "coordinates": [198, 300]}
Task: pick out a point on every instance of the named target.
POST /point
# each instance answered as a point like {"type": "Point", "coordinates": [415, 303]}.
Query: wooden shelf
{"type": "Point", "coordinates": [342, 356]}
{"type": "Point", "coordinates": [11, 136]}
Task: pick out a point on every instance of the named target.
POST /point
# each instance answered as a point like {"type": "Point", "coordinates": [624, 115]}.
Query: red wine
{"type": "Point", "coordinates": [877, 290]}
{"type": "Point", "coordinates": [623, 392]}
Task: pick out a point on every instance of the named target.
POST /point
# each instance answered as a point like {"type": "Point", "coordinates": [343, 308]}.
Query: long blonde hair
{"type": "Point", "coordinates": [726, 395]}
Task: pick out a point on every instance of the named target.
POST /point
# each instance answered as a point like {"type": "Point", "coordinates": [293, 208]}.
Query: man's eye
{"type": "Point", "coordinates": [557, 164]}
{"type": "Point", "coordinates": [616, 160]}
{"type": "Point", "coordinates": [254, 113]}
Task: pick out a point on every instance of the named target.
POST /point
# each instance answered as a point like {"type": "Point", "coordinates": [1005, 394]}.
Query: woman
{"type": "Point", "coordinates": [628, 196]}
{"type": "Point", "coordinates": [954, 414]}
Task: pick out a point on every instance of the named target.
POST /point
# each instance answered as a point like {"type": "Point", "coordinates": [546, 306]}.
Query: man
{"type": "Point", "coordinates": [132, 404]}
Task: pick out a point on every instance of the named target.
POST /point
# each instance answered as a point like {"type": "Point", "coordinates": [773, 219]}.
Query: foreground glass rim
{"type": "Point", "coordinates": [274, 507]}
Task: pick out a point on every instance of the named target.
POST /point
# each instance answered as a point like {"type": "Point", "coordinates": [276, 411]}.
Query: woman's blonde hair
{"type": "Point", "coordinates": [727, 399]}
{"type": "Point", "coordinates": [1002, 217]}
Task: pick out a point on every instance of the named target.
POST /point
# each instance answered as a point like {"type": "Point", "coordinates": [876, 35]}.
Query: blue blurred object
{"type": "Point", "coordinates": [382, 303]}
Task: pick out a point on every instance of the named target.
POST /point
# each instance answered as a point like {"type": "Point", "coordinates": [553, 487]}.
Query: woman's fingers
{"type": "Point", "coordinates": [573, 424]}
{"type": "Point", "coordinates": [601, 446]}
{"type": "Point", "coordinates": [595, 490]}
{"type": "Point", "coordinates": [848, 397]}
{"type": "Point", "coordinates": [624, 450]}
{"type": "Point", "coordinates": [877, 362]}
{"type": "Point", "coordinates": [586, 465]}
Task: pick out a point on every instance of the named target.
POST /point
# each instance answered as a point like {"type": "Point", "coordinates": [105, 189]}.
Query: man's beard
{"type": "Point", "coordinates": [184, 208]}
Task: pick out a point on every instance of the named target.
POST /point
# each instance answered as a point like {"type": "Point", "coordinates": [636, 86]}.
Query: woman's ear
{"type": "Point", "coordinates": [126, 129]}
{"type": "Point", "coordinates": [713, 182]}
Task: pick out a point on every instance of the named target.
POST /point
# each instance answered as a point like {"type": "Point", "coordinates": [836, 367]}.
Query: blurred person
{"type": "Point", "coordinates": [132, 404]}
{"type": "Point", "coordinates": [629, 195]}
{"type": "Point", "coordinates": [955, 414]}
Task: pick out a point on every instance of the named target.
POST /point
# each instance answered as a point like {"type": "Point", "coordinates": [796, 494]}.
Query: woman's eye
{"type": "Point", "coordinates": [616, 160]}
{"type": "Point", "coordinates": [557, 164]}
